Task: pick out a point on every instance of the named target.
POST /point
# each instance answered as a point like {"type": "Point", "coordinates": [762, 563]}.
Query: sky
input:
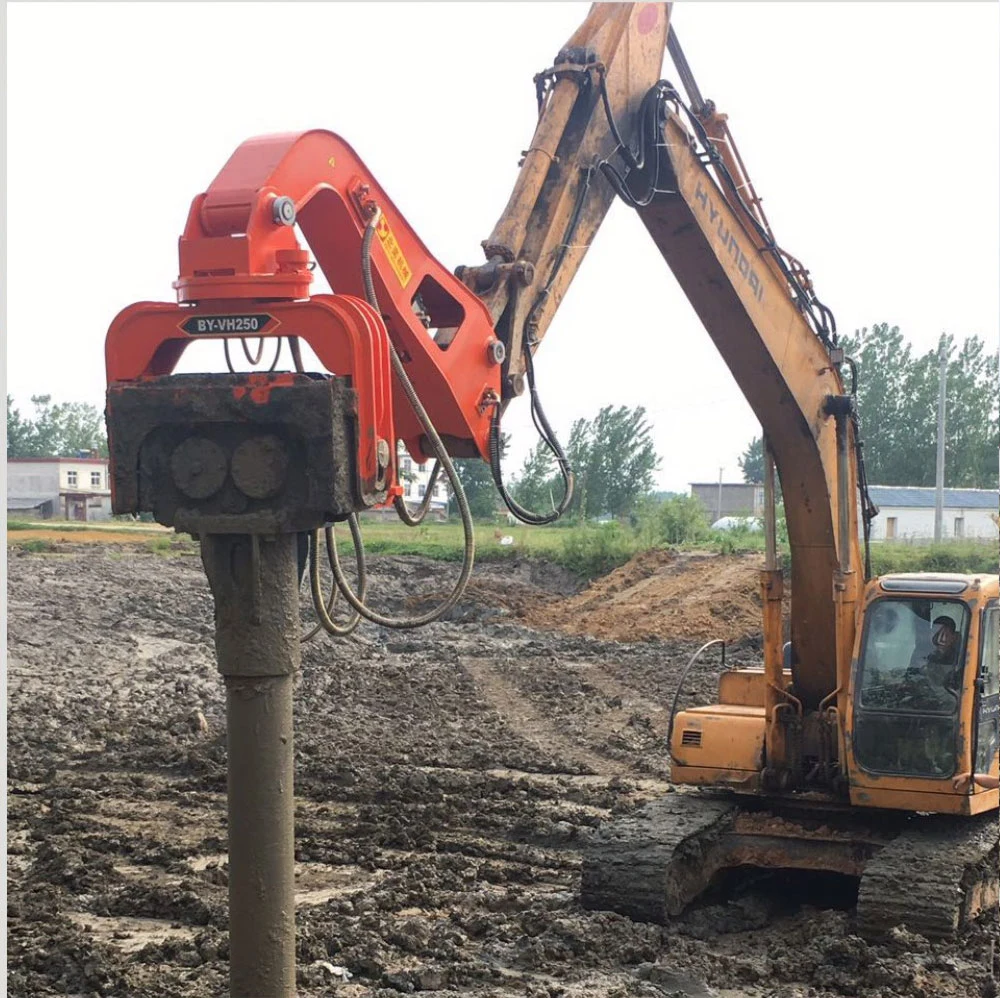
{"type": "Point", "coordinates": [872, 131]}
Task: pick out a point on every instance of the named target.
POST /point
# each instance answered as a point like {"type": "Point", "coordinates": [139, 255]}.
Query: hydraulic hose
{"type": "Point", "coordinates": [545, 431]}
{"type": "Point", "coordinates": [405, 623]}
{"type": "Point", "coordinates": [549, 439]}
{"type": "Point", "coordinates": [323, 609]}
{"type": "Point", "coordinates": [415, 519]}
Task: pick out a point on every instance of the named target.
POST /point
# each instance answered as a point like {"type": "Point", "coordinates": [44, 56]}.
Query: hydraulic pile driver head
{"type": "Point", "coordinates": [275, 451]}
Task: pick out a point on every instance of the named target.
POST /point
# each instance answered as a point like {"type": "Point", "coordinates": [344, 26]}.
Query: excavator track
{"type": "Point", "coordinates": [932, 874]}
{"type": "Point", "coordinates": [937, 875]}
{"type": "Point", "coordinates": [650, 865]}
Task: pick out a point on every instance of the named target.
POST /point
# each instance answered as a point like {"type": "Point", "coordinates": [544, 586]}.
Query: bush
{"type": "Point", "coordinates": [968, 557]}
{"type": "Point", "coordinates": [592, 551]}
{"type": "Point", "coordinates": [738, 540]}
{"type": "Point", "coordinates": [681, 520]}
{"type": "Point", "coordinates": [36, 546]}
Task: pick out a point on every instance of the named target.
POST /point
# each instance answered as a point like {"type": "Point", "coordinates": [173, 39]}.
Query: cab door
{"type": "Point", "coordinates": [988, 692]}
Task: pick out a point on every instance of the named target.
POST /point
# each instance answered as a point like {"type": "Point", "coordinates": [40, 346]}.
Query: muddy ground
{"type": "Point", "coordinates": [445, 778]}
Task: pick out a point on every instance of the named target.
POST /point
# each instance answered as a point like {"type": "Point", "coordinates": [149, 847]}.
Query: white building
{"type": "Point", "coordinates": [70, 488]}
{"type": "Point", "coordinates": [907, 513]}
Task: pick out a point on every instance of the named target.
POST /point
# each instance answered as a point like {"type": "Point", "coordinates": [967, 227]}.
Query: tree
{"type": "Point", "coordinates": [476, 477]}
{"type": "Point", "coordinates": [752, 461]}
{"type": "Point", "coordinates": [59, 430]}
{"type": "Point", "coordinates": [897, 408]}
{"type": "Point", "coordinates": [972, 434]}
{"type": "Point", "coordinates": [20, 432]}
{"type": "Point", "coordinates": [477, 482]}
{"type": "Point", "coordinates": [885, 400]}
{"type": "Point", "coordinates": [681, 520]}
{"type": "Point", "coordinates": [613, 459]}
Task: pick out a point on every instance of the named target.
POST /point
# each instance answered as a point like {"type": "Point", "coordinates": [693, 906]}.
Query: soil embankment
{"type": "Point", "coordinates": [661, 594]}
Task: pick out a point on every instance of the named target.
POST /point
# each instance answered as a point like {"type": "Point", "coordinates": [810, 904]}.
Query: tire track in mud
{"type": "Point", "coordinates": [599, 677]}
{"type": "Point", "coordinates": [587, 714]}
{"type": "Point", "coordinates": [530, 724]}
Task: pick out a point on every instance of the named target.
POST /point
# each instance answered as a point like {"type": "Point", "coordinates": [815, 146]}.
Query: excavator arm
{"type": "Point", "coordinates": [560, 197]}
{"type": "Point", "coordinates": [600, 135]}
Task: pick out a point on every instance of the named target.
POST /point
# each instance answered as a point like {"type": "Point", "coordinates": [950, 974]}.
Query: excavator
{"type": "Point", "coordinates": [853, 747]}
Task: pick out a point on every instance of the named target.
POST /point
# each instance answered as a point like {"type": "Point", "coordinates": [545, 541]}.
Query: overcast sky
{"type": "Point", "coordinates": [871, 131]}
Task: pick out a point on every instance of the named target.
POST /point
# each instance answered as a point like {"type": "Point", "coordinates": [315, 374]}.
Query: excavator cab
{"type": "Point", "coordinates": [909, 686]}
{"type": "Point", "coordinates": [925, 684]}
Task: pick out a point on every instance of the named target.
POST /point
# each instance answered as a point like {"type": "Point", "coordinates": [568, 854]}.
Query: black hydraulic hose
{"type": "Point", "coordinates": [632, 159]}
{"type": "Point", "coordinates": [868, 508]}
{"type": "Point", "coordinates": [827, 314]}
{"type": "Point", "coordinates": [545, 431]}
{"type": "Point", "coordinates": [680, 685]}
{"type": "Point", "coordinates": [648, 119]}
{"type": "Point", "coordinates": [807, 302]}
{"type": "Point", "coordinates": [405, 623]}
{"type": "Point", "coordinates": [853, 365]}
{"type": "Point", "coordinates": [549, 439]}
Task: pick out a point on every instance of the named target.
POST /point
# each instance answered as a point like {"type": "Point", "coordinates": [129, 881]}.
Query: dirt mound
{"type": "Point", "coordinates": [660, 594]}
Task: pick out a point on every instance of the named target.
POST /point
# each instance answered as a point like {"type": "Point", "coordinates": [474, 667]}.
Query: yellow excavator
{"type": "Point", "coordinates": [852, 749]}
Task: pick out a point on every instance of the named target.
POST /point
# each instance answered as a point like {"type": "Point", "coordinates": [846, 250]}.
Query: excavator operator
{"type": "Point", "coordinates": [940, 665]}
{"type": "Point", "coordinates": [945, 641]}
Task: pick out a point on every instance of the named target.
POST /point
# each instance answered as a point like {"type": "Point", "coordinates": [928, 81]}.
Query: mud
{"type": "Point", "coordinates": [444, 781]}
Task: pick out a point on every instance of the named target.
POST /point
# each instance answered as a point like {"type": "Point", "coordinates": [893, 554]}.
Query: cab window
{"type": "Point", "coordinates": [910, 684]}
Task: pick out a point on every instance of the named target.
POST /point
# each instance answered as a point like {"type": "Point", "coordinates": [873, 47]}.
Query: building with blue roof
{"type": "Point", "coordinates": [907, 513]}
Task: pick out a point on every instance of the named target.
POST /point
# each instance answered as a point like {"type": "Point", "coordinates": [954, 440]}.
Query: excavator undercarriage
{"type": "Point", "coordinates": [930, 873]}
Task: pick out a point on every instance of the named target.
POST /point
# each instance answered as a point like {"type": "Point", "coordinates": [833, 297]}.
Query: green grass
{"type": "Point", "coordinates": [445, 541]}
{"type": "Point", "coordinates": [952, 556]}
{"type": "Point", "coordinates": [62, 526]}
{"type": "Point", "coordinates": [172, 545]}
{"type": "Point", "coordinates": [587, 550]}
{"type": "Point", "coordinates": [36, 546]}
{"type": "Point", "coordinates": [594, 550]}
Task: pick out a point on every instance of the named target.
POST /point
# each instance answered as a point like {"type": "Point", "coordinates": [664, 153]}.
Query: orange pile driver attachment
{"type": "Point", "coordinates": [274, 450]}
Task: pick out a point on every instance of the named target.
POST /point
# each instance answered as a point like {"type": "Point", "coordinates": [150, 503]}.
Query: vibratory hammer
{"type": "Point", "coordinates": [287, 451]}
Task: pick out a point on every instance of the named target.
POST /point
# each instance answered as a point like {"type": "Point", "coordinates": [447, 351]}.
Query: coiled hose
{"type": "Point", "coordinates": [443, 459]}
{"type": "Point", "coordinates": [415, 519]}
{"type": "Point", "coordinates": [325, 608]}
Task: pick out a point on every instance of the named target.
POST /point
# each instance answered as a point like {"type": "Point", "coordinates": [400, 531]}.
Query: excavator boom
{"type": "Point", "coordinates": [787, 375]}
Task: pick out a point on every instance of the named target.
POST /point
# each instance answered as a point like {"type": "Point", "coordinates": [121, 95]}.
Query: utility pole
{"type": "Point", "coordinates": [719, 516]}
{"type": "Point", "coordinates": [939, 481]}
